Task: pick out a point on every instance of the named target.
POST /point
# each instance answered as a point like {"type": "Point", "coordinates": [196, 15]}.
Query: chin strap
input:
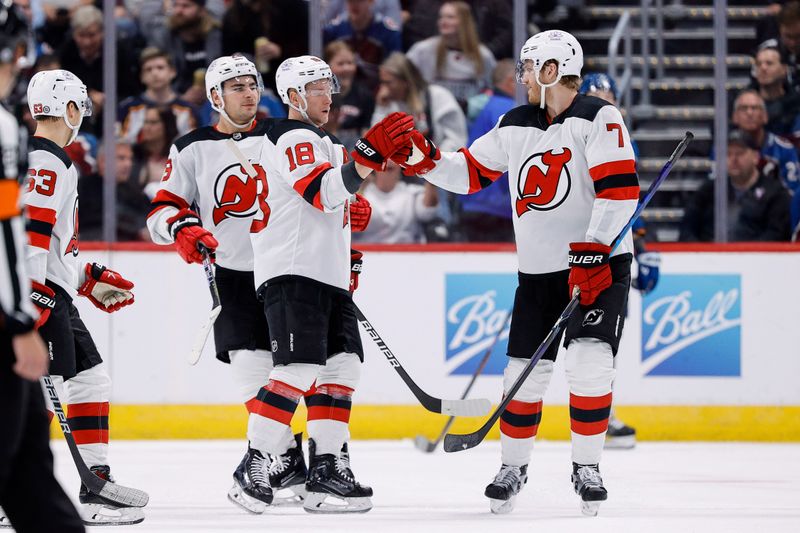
{"type": "Point", "coordinates": [75, 129]}
{"type": "Point", "coordinates": [544, 86]}
{"type": "Point", "coordinates": [221, 110]}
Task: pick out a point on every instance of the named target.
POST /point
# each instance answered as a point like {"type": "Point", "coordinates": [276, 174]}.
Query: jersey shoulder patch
{"type": "Point", "coordinates": [46, 145]}
{"type": "Point", "coordinates": [287, 125]}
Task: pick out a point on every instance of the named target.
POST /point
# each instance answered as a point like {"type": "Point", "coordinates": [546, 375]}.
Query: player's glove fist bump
{"type": "Point", "coordinates": [419, 156]}
{"type": "Point", "coordinates": [360, 213]}
{"type": "Point", "coordinates": [106, 289]}
{"type": "Point", "coordinates": [383, 139]}
{"type": "Point", "coordinates": [589, 270]}
{"type": "Point", "coordinates": [190, 235]}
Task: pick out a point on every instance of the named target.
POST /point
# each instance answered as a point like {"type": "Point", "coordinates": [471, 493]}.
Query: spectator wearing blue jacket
{"type": "Point", "coordinates": [371, 36]}
{"type": "Point", "coordinates": [486, 215]}
{"type": "Point", "coordinates": [750, 115]}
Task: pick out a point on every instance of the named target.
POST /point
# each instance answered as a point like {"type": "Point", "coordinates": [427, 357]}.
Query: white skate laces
{"type": "Point", "coordinates": [342, 464]}
{"type": "Point", "coordinates": [278, 465]}
{"type": "Point", "coordinates": [257, 469]}
{"type": "Point", "coordinates": [508, 476]}
{"type": "Point", "coordinates": [589, 475]}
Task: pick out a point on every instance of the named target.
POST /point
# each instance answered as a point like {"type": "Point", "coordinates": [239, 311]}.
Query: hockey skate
{"type": "Point", "coordinates": [287, 475]}
{"type": "Point", "coordinates": [589, 486]}
{"type": "Point", "coordinates": [331, 486]}
{"type": "Point", "coordinates": [97, 511]}
{"type": "Point", "coordinates": [620, 436]}
{"type": "Point", "coordinates": [251, 490]}
{"type": "Point", "coordinates": [503, 490]}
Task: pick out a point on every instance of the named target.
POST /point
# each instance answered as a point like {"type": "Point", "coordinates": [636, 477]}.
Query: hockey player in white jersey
{"type": "Point", "coordinates": [573, 188]}
{"type": "Point", "coordinates": [58, 101]}
{"type": "Point", "coordinates": [303, 271]}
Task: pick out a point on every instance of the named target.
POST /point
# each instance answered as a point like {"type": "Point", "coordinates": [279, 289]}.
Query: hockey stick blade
{"type": "Point", "coordinates": [202, 336]}
{"type": "Point", "coordinates": [455, 442]}
{"type": "Point", "coordinates": [113, 493]}
{"type": "Point", "coordinates": [424, 444]}
{"type": "Point", "coordinates": [431, 445]}
{"type": "Point", "coordinates": [469, 407]}
{"type": "Point", "coordinates": [472, 407]}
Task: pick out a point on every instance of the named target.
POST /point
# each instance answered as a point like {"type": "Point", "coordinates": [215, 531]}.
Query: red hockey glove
{"type": "Point", "coordinates": [589, 270]}
{"type": "Point", "coordinates": [355, 268]}
{"type": "Point", "coordinates": [382, 140]}
{"type": "Point", "coordinates": [360, 213]}
{"type": "Point", "coordinates": [106, 289]}
{"type": "Point", "coordinates": [187, 231]}
{"type": "Point", "coordinates": [45, 301]}
{"type": "Point", "coordinates": [419, 157]}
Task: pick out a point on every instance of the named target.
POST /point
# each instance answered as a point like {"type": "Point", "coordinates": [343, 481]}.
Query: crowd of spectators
{"type": "Point", "coordinates": [449, 63]}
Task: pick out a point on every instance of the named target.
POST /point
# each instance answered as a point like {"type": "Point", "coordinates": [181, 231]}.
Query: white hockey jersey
{"type": "Point", "coordinates": [203, 171]}
{"type": "Point", "coordinates": [51, 213]}
{"type": "Point", "coordinates": [307, 230]}
{"type": "Point", "coordinates": [571, 180]}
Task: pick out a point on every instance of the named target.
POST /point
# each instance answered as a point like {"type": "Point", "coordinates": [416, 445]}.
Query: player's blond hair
{"type": "Point", "coordinates": [570, 82]}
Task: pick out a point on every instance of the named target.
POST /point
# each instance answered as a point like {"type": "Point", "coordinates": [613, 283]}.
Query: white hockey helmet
{"type": "Point", "coordinates": [49, 92]}
{"type": "Point", "coordinates": [552, 44]}
{"type": "Point", "coordinates": [227, 68]}
{"type": "Point", "coordinates": [297, 72]}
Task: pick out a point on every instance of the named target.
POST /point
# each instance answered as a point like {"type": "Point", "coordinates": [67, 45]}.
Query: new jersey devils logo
{"type": "Point", "coordinates": [72, 245]}
{"type": "Point", "coordinates": [236, 193]}
{"type": "Point", "coordinates": [543, 182]}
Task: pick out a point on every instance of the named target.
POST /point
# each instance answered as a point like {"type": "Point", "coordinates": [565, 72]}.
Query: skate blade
{"type": "Point", "coordinates": [95, 514]}
{"type": "Point", "coordinates": [502, 506]}
{"type": "Point", "coordinates": [323, 503]}
{"type": "Point", "coordinates": [590, 508]}
{"type": "Point", "coordinates": [620, 443]}
{"type": "Point", "coordinates": [290, 496]}
{"type": "Point", "coordinates": [253, 506]}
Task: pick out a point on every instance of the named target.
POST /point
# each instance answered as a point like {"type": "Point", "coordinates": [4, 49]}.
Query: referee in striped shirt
{"type": "Point", "coordinates": [30, 497]}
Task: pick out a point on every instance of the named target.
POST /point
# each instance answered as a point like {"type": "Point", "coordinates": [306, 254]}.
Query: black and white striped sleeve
{"type": "Point", "coordinates": [14, 284]}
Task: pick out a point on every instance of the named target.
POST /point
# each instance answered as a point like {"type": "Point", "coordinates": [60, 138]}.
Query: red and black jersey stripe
{"type": "Point", "coordinates": [89, 422]}
{"type": "Point", "coordinates": [276, 401]}
{"type": "Point", "coordinates": [480, 176]}
{"type": "Point", "coordinates": [39, 224]}
{"type": "Point", "coordinates": [309, 187]}
{"type": "Point", "coordinates": [330, 402]}
{"type": "Point", "coordinates": [164, 199]}
{"type": "Point", "coordinates": [521, 420]}
{"type": "Point", "coordinates": [616, 180]}
{"type": "Point", "coordinates": [589, 414]}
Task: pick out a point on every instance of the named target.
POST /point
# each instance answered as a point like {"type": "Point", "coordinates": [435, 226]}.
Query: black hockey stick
{"type": "Point", "coordinates": [216, 307]}
{"type": "Point", "coordinates": [473, 407]}
{"type": "Point", "coordinates": [423, 443]}
{"type": "Point", "coordinates": [109, 491]}
{"type": "Point", "coordinates": [454, 442]}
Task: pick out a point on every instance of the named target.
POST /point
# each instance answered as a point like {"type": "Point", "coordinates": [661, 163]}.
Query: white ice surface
{"type": "Point", "coordinates": [658, 487]}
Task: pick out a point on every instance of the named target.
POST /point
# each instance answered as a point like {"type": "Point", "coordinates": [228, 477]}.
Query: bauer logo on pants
{"type": "Point", "coordinates": [691, 326]}
{"type": "Point", "coordinates": [477, 307]}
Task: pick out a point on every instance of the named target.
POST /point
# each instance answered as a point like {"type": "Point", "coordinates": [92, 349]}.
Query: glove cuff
{"type": "Point", "coordinates": [42, 295]}
{"type": "Point", "coordinates": [366, 154]}
{"type": "Point", "coordinates": [182, 219]}
{"type": "Point", "coordinates": [588, 254]}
